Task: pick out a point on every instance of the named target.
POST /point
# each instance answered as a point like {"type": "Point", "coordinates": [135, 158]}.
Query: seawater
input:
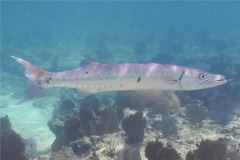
{"type": "Point", "coordinates": [54, 35]}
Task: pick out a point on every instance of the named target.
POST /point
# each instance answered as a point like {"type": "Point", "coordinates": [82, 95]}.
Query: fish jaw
{"type": "Point", "coordinates": [195, 79]}
{"type": "Point", "coordinates": [216, 80]}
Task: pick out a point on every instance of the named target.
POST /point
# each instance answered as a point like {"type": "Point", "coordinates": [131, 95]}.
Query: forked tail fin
{"type": "Point", "coordinates": [36, 79]}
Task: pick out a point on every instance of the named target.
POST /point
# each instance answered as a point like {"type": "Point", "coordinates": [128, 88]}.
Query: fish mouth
{"type": "Point", "coordinates": [215, 82]}
{"type": "Point", "coordinates": [219, 81]}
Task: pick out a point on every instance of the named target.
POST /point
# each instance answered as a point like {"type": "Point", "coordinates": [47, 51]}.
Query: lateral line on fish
{"type": "Point", "coordinates": [93, 77]}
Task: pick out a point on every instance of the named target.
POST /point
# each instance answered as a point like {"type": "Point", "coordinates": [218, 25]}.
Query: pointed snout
{"type": "Point", "coordinates": [220, 79]}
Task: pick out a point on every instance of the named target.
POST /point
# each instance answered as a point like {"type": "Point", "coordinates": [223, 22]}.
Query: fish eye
{"type": "Point", "coordinates": [202, 76]}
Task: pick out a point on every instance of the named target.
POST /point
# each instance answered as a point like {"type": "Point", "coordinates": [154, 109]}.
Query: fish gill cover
{"type": "Point", "coordinates": [54, 35]}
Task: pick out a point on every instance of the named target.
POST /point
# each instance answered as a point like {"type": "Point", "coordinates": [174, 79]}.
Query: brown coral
{"type": "Point", "coordinates": [156, 101]}
{"type": "Point", "coordinates": [109, 121]}
{"type": "Point", "coordinates": [155, 150]}
{"type": "Point", "coordinates": [208, 150]}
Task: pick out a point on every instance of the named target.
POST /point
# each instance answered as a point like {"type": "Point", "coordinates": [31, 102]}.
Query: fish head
{"type": "Point", "coordinates": [194, 79]}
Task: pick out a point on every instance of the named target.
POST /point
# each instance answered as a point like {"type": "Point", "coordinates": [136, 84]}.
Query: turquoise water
{"type": "Point", "coordinates": [54, 35]}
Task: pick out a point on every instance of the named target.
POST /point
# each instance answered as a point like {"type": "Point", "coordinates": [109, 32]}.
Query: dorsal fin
{"type": "Point", "coordinates": [85, 62]}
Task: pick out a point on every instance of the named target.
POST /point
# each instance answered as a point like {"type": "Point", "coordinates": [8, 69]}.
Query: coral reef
{"type": "Point", "coordinates": [5, 123]}
{"type": "Point", "coordinates": [152, 148]}
{"type": "Point", "coordinates": [233, 155]}
{"type": "Point", "coordinates": [31, 148]}
{"type": "Point", "coordinates": [112, 148]}
{"type": "Point", "coordinates": [56, 125]}
{"type": "Point", "coordinates": [190, 156]}
{"type": "Point", "coordinates": [156, 150]}
{"type": "Point", "coordinates": [65, 130]}
{"type": "Point", "coordinates": [12, 146]}
{"type": "Point", "coordinates": [129, 152]}
{"type": "Point", "coordinates": [109, 121]}
{"type": "Point", "coordinates": [91, 103]}
{"type": "Point", "coordinates": [167, 125]}
{"type": "Point", "coordinates": [196, 112]}
{"type": "Point", "coordinates": [156, 101]}
{"type": "Point", "coordinates": [134, 128]}
{"type": "Point", "coordinates": [65, 153]}
{"type": "Point", "coordinates": [72, 129]}
{"type": "Point", "coordinates": [208, 150]}
{"type": "Point", "coordinates": [81, 146]}
{"type": "Point", "coordinates": [65, 107]}
{"type": "Point", "coordinates": [167, 153]}
{"type": "Point", "coordinates": [72, 124]}
{"type": "Point", "coordinates": [88, 122]}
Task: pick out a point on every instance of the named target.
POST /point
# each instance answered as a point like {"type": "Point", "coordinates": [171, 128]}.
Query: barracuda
{"type": "Point", "coordinates": [93, 77]}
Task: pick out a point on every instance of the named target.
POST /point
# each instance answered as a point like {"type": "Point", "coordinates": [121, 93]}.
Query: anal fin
{"type": "Point", "coordinates": [33, 88]}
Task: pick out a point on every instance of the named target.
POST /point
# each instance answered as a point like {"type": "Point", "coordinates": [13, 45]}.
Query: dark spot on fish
{"type": "Point", "coordinates": [87, 72]}
{"type": "Point", "coordinates": [48, 80]}
{"type": "Point", "coordinates": [139, 79]}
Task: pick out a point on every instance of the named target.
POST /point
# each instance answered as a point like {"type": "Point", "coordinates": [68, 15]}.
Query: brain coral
{"type": "Point", "coordinates": [156, 101]}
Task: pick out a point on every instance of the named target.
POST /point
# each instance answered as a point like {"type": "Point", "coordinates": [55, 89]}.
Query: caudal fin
{"type": "Point", "coordinates": [36, 79]}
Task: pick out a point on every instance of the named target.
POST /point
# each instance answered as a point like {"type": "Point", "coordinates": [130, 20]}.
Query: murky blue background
{"type": "Point", "coordinates": [54, 35]}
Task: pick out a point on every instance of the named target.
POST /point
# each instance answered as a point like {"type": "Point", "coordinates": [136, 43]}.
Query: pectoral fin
{"type": "Point", "coordinates": [82, 94]}
{"type": "Point", "coordinates": [172, 82]}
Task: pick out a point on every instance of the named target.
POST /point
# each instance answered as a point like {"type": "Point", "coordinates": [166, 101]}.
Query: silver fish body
{"type": "Point", "coordinates": [93, 77]}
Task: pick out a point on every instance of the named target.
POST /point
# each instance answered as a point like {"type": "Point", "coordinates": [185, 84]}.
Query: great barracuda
{"type": "Point", "coordinates": [93, 77]}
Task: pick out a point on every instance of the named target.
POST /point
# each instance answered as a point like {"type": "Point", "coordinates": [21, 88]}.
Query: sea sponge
{"type": "Point", "coordinates": [12, 146]}
{"type": "Point", "coordinates": [156, 150]}
{"type": "Point", "coordinates": [167, 153]}
{"type": "Point", "coordinates": [156, 101]}
{"type": "Point", "coordinates": [109, 121]}
{"type": "Point", "coordinates": [208, 150]}
{"type": "Point", "coordinates": [88, 122]}
{"type": "Point", "coordinates": [65, 130]}
{"type": "Point", "coordinates": [72, 129]}
{"type": "Point", "coordinates": [134, 128]}
{"type": "Point", "coordinates": [152, 148]}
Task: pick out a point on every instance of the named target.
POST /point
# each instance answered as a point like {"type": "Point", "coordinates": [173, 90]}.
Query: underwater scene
{"type": "Point", "coordinates": [120, 80]}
